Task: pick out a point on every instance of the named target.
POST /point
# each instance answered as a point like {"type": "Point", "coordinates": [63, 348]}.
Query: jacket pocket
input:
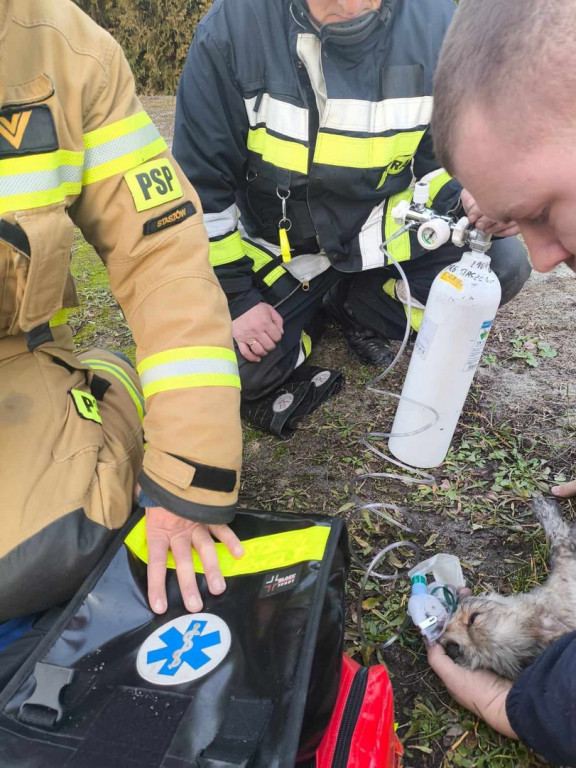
{"type": "Point", "coordinates": [50, 233]}
{"type": "Point", "coordinates": [14, 267]}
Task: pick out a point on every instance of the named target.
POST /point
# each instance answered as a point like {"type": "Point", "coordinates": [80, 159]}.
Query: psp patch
{"type": "Point", "coordinates": [153, 183]}
{"type": "Point", "coordinates": [86, 405]}
{"type": "Point", "coordinates": [170, 218]}
{"type": "Point", "coordinates": [184, 649]}
{"type": "Point", "coordinates": [28, 131]}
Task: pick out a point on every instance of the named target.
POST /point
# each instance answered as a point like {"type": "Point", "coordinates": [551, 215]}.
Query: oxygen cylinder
{"type": "Point", "coordinates": [459, 313]}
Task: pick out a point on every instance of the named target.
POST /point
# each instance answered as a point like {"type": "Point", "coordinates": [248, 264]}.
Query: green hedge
{"type": "Point", "coordinates": [155, 35]}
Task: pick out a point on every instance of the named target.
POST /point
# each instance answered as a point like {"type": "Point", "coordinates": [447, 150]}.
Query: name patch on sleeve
{"type": "Point", "coordinates": [153, 183]}
{"type": "Point", "coordinates": [170, 218]}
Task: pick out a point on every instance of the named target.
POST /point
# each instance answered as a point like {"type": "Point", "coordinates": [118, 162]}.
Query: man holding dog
{"type": "Point", "coordinates": [505, 125]}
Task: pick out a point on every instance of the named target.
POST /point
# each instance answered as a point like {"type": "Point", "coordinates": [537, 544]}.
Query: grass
{"type": "Point", "coordinates": [476, 508]}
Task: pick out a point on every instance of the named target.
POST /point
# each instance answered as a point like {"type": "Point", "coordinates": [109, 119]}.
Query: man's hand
{"type": "Point", "coordinates": [164, 531]}
{"type": "Point", "coordinates": [258, 331]}
{"type": "Point", "coordinates": [565, 490]}
{"type": "Point", "coordinates": [484, 223]}
{"type": "Point", "coordinates": [481, 691]}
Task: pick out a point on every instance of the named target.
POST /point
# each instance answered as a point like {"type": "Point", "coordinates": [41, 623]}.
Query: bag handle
{"type": "Point", "coordinates": [240, 734]}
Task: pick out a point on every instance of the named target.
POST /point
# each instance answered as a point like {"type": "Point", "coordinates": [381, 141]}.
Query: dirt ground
{"type": "Point", "coordinates": [516, 435]}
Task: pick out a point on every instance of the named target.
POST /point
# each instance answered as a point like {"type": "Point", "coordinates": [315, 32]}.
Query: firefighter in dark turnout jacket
{"type": "Point", "coordinates": [304, 123]}
{"type": "Point", "coordinates": [76, 147]}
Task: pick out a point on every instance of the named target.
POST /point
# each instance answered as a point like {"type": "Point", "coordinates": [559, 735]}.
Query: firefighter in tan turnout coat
{"type": "Point", "coordinates": [76, 148]}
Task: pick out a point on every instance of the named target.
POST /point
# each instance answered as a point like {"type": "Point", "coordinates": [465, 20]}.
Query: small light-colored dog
{"type": "Point", "coordinates": [506, 634]}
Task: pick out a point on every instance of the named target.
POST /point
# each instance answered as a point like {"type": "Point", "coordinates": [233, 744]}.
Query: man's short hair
{"type": "Point", "coordinates": [512, 56]}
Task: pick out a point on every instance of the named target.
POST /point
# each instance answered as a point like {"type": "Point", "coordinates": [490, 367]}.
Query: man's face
{"type": "Point", "coordinates": [331, 11]}
{"type": "Point", "coordinates": [535, 186]}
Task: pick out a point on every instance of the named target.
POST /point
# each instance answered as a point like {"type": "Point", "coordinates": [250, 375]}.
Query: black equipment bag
{"type": "Point", "coordinates": [250, 682]}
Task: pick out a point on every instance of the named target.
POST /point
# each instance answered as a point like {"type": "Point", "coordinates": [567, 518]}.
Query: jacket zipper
{"type": "Point", "coordinates": [350, 718]}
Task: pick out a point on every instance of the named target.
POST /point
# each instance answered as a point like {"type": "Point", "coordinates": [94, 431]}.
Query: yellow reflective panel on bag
{"type": "Point", "coordinates": [264, 553]}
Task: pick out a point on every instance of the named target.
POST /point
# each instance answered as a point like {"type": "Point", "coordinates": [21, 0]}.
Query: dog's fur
{"type": "Point", "coordinates": [505, 634]}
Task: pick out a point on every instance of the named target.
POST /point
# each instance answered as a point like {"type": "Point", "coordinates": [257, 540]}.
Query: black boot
{"type": "Point", "coordinates": [367, 345]}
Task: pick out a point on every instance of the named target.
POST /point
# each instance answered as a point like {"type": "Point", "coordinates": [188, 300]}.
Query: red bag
{"type": "Point", "coordinates": [361, 731]}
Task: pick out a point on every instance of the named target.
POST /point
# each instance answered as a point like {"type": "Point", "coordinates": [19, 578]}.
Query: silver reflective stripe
{"type": "Point", "coordinates": [203, 366]}
{"type": "Point", "coordinates": [377, 116]}
{"type": "Point", "coordinates": [370, 239]}
{"type": "Point", "coordinates": [278, 116]}
{"type": "Point", "coordinates": [221, 223]}
{"type": "Point", "coordinates": [121, 146]}
{"type": "Point", "coordinates": [40, 181]}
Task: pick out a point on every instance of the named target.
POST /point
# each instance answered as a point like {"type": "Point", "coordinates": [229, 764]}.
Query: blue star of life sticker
{"type": "Point", "coordinates": [184, 648]}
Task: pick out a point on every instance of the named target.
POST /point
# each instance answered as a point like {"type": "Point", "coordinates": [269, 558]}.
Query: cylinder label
{"type": "Point", "coordinates": [454, 281]}
{"type": "Point", "coordinates": [425, 337]}
{"type": "Point", "coordinates": [478, 346]}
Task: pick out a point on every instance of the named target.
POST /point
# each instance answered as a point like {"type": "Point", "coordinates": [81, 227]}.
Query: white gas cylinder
{"type": "Point", "coordinates": [459, 313]}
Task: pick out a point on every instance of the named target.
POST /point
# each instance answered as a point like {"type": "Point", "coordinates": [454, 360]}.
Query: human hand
{"type": "Point", "coordinates": [565, 490]}
{"type": "Point", "coordinates": [481, 691]}
{"type": "Point", "coordinates": [487, 225]}
{"type": "Point", "coordinates": [167, 531]}
{"type": "Point", "coordinates": [258, 331]}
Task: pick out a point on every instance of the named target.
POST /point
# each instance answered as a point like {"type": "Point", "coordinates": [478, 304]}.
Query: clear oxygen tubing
{"type": "Point", "coordinates": [417, 476]}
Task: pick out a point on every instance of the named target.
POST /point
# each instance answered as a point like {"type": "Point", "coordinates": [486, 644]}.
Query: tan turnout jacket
{"type": "Point", "coordinates": [76, 147]}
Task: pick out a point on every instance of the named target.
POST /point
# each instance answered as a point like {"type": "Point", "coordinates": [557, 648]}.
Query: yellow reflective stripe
{"type": "Point", "coordinates": [372, 152]}
{"type": "Point", "coordinates": [115, 130]}
{"type": "Point", "coordinates": [436, 184]}
{"type": "Point", "coordinates": [122, 376]}
{"type": "Point", "coordinates": [185, 353]}
{"type": "Point", "coordinates": [17, 166]}
{"type": "Point", "coordinates": [59, 318]}
{"type": "Point", "coordinates": [124, 163]}
{"type": "Point", "coordinates": [227, 250]}
{"type": "Point", "coordinates": [40, 199]}
{"type": "Point", "coordinates": [279, 152]}
{"type": "Point", "coordinates": [306, 344]}
{"type": "Point", "coordinates": [262, 259]}
{"type": "Point", "coordinates": [265, 553]}
{"type": "Point", "coordinates": [188, 367]}
{"type": "Point", "coordinates": [399, 248]}
{"type": "Point", "coordinates": [189, 382]}
{"type": "Point", "coordinates": [35, 181]}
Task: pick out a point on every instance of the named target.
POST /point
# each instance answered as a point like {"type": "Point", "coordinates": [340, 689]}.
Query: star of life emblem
{"type": "Point", "coordinates": [184, 649]}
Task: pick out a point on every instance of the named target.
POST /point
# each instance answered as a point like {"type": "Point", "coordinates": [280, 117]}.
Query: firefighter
{"type": "Point", "coordinates": [310, 120]}
{"type": "Point", "coordinates": [77, 148]}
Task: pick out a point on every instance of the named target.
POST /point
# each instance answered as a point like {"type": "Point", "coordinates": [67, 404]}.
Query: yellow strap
{"type": "Point", "coordinates": [279, 152]}
{"type": "Point", "coordinates": [265, 553]}
{"type": "Point", "coordinates": [262, 259]}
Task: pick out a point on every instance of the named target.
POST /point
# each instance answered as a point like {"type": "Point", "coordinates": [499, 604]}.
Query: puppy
{"type": "Point", "coordinates": [505, 634]}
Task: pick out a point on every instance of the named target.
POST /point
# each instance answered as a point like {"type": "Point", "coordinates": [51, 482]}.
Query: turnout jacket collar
{"type": "Point", "coordinates": [349, 32]}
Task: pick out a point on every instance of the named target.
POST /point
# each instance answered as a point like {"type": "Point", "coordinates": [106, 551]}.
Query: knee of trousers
{"type": "Point", "coordinates": [511, 265]}
{"type": "Point", "coordinates": [263, 378]}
